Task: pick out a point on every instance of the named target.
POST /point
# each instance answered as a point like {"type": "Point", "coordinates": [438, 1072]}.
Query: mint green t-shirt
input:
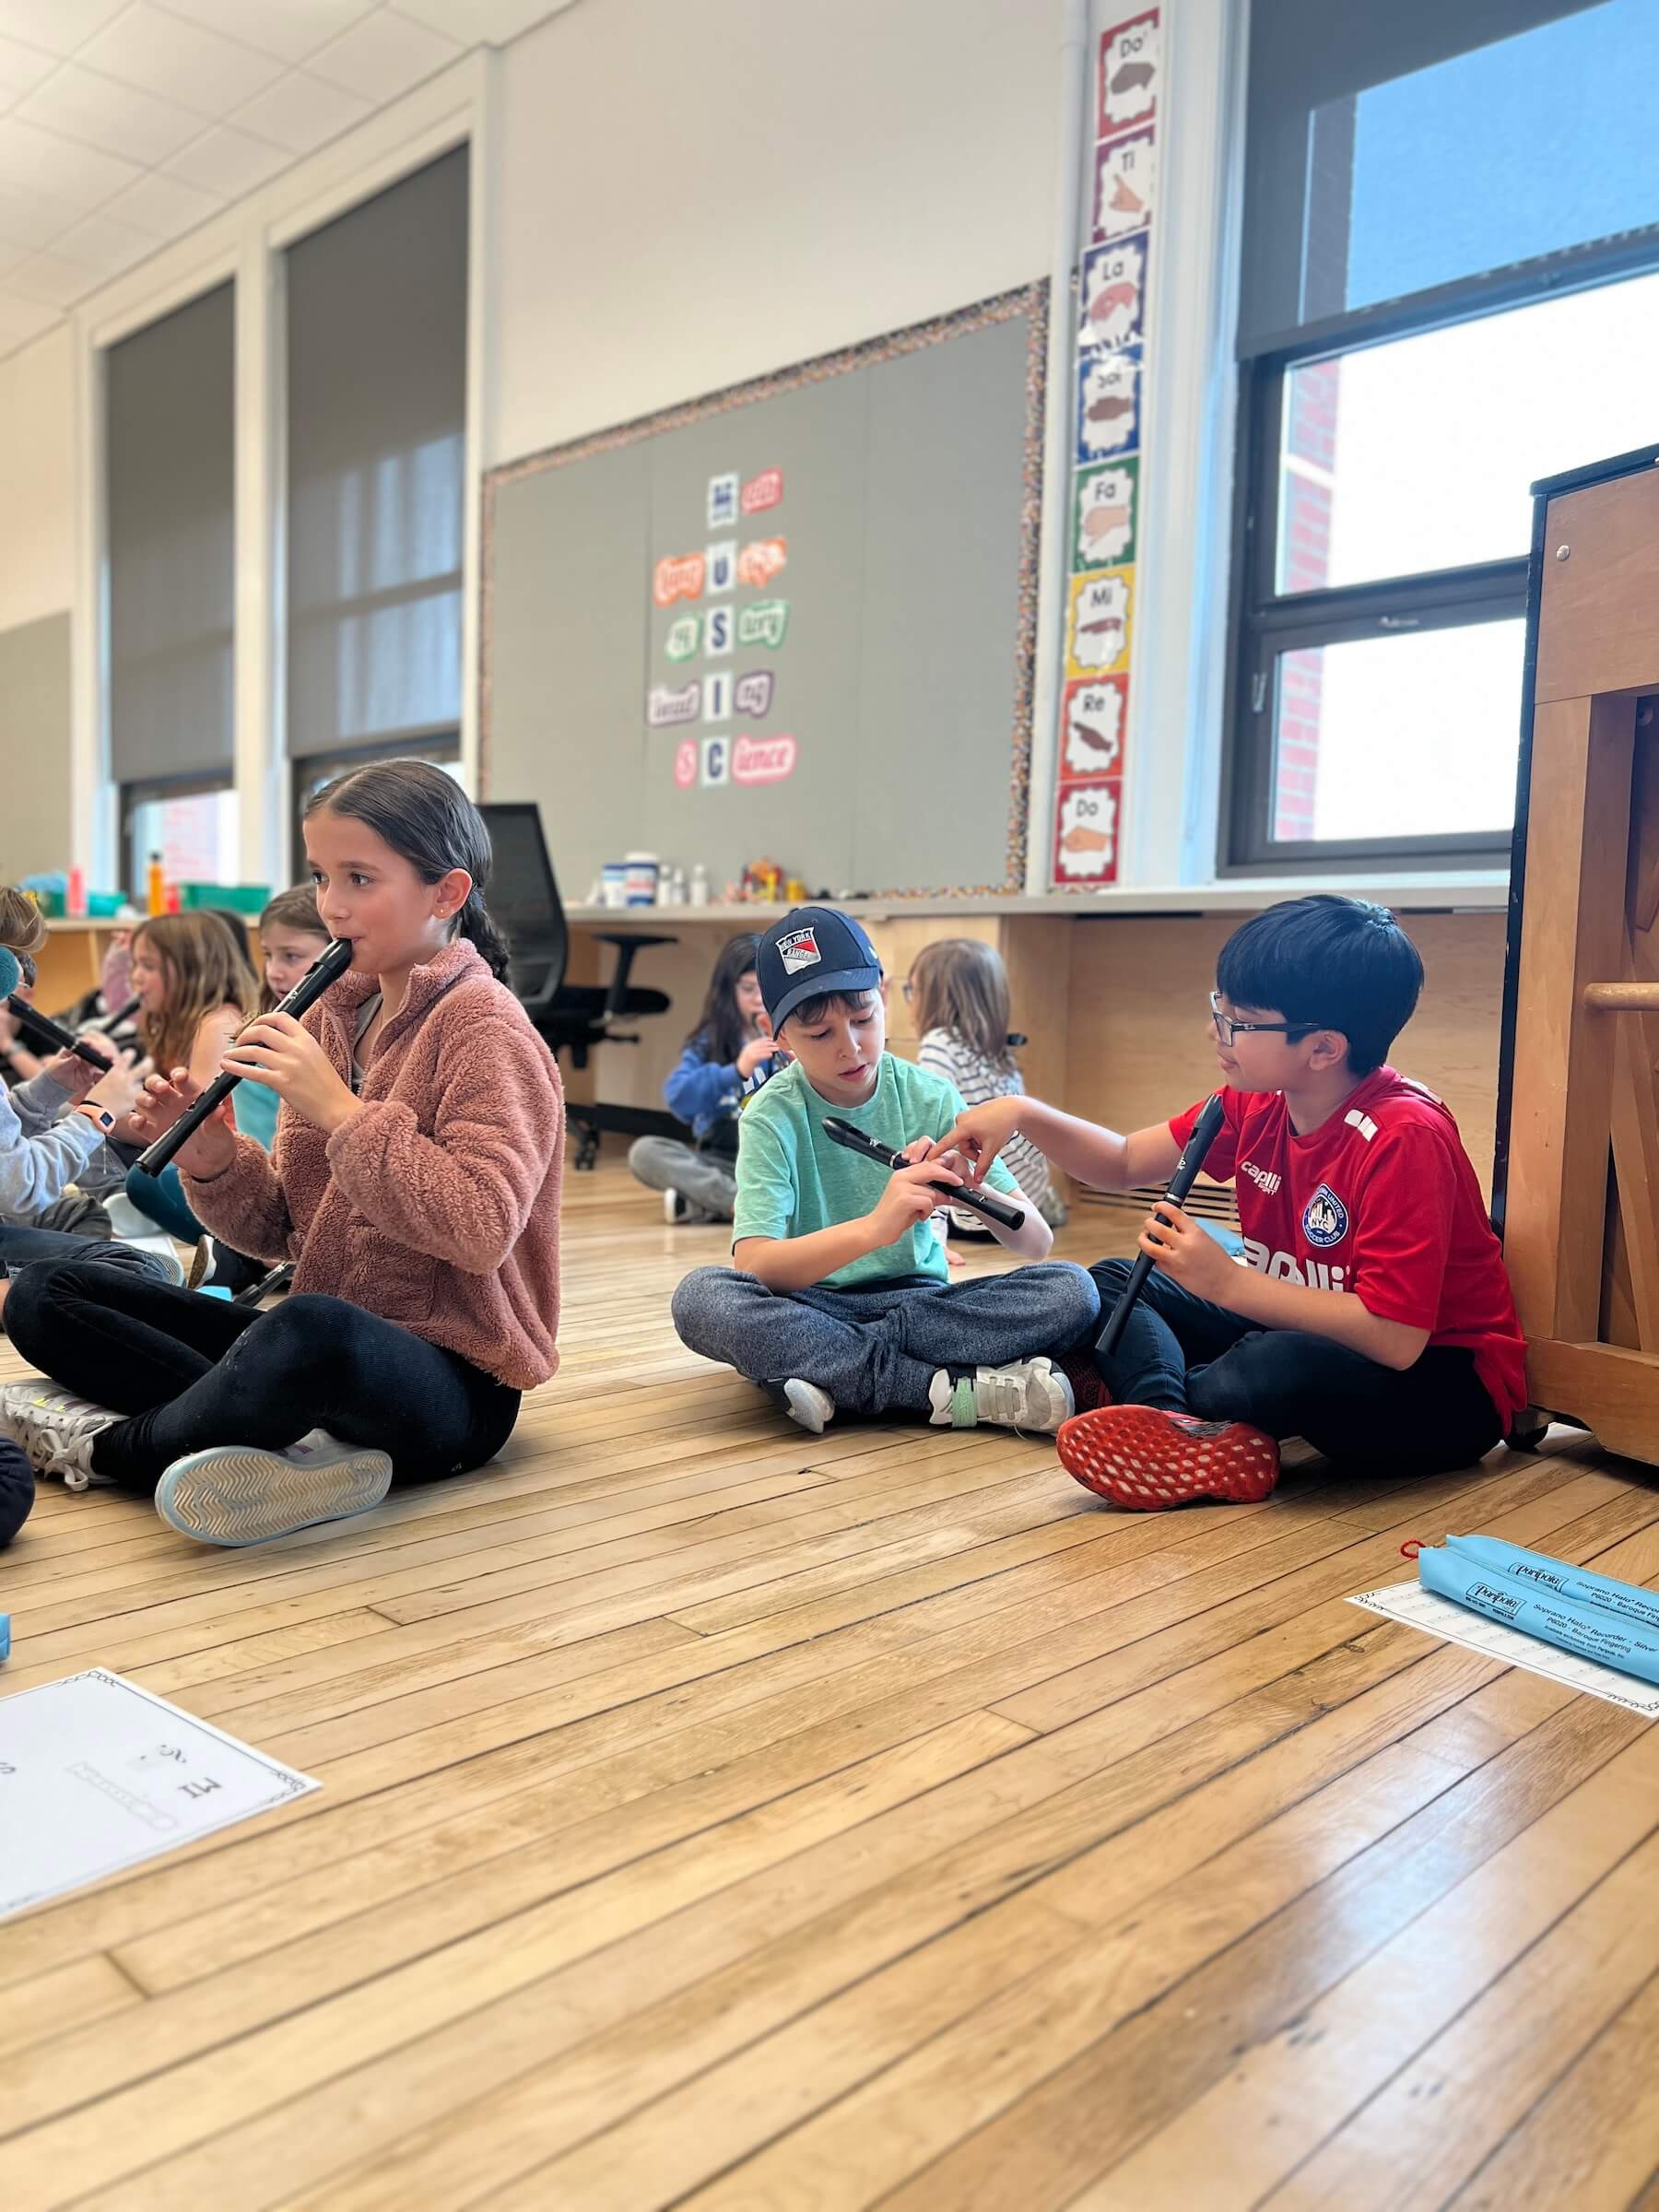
{"type": "Point", "coordinates": [793, 1181]}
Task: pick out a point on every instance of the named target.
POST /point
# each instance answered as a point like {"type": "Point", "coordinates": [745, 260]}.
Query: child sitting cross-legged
{"type": "Point", "coordinates": [838, 1300]}
{"type": "Point", "coordinates": [1374, 1318]}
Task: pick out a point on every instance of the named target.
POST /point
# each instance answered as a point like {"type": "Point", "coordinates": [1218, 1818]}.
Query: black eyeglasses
{"type": "Point", "coordinates": [1227, 1029]}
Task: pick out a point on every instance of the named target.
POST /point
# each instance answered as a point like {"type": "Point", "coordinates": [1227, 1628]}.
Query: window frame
{"type": "Point", "coordinates": [153, 791]}
{"type": "Point", "coordinates": [1263, 622]}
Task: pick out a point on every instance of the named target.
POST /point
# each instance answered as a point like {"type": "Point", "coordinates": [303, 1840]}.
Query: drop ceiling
{"type": "Point", "coordinates": [123, 123]}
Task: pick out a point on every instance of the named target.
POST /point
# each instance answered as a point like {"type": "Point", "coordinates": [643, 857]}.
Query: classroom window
{"type": "Point", "coordinates": [376, 436]}
{"type": "Point", "coordinates": [169, 503]}
{"type": "Point", "coordinates": [1443, 299]}
{"type": "Point", "coordinates": [191, 826]}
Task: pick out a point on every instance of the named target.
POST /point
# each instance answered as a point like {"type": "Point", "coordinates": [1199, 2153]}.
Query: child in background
{"type": "Point", "coordinates": [1374, 1318]}
{"type": "Point", "coordinates": [725, 1055]}
{"type": "Point", "coordinates": [414, 1184]}
{"type": "Point", "coordinates": [839, 1299]}
{"type": "Point", "coordinates": [957, 992]}
{"type": "Point", "coordinates": [291, 937]}
{"type": "Point", "coordinates": [195, 992]}
{"type": "Point", "coordinates": [51, 1128]}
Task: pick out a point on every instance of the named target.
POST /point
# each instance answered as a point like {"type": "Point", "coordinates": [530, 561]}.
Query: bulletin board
{"type": "Point", "coordinates": [794, 620]}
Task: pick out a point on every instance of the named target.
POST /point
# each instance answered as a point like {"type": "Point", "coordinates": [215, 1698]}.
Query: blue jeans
{"type": "Point", "coordinates": [877, 1351]}
{"type": "Point", "coordinates": [29, 1247]}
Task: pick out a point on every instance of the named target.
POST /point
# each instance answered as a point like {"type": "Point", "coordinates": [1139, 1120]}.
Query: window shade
{"type": "Point", "coordinates": [376, 318]}
{"type": "Point", "coordinates": [170, 484]}
{"type": "Point", "coordinates": [1401, 150]}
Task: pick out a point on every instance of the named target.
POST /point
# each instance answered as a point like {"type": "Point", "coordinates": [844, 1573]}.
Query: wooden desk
{"type": "Point", "coordinates": [70, 963]}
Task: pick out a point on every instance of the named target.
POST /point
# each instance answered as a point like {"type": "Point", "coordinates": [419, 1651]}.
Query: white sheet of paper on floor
{"type": "Point", "coordinates": [97, 1775]}
{"type": "Point", "coordinates": [1420, 1608]}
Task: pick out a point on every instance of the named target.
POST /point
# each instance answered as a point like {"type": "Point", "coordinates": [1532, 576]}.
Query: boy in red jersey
{"type": "Point", "coordinates": [1373, 1318]}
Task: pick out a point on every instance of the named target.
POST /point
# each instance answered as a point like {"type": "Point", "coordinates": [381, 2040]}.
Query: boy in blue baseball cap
{"type": "Point", "coordinates": [839, 1296]}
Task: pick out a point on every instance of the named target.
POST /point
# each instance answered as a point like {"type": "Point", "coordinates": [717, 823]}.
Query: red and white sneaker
{"type": "Point", "coordinates": [1145, 1460]}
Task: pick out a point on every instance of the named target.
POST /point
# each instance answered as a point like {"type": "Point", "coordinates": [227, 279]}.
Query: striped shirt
{"type": "Point", "coordinates": [948, 1053]}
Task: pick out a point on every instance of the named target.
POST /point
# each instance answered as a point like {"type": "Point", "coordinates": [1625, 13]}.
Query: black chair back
{"type": "Point", "coordinates": [524, 897]}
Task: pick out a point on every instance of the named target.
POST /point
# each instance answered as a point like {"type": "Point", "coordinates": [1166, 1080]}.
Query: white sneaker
{"type": "Point", "coordinates": [1027, 1394]}
{"type": "Point", "coordinates": [159, 1248]}
{"type": "Point", "coordinates": [56, 1429]}
{"type": "Point", "coordinates": [244, 1494]}
{"type": "Point", "coordinates": [813, 1407]}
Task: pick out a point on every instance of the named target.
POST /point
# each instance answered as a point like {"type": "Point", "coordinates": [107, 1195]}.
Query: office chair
{"type": "Point", "coordinates": [573, 1017]}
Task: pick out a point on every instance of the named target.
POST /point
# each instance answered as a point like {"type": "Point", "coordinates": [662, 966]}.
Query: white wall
{"type": "Point", "coordinates": [694, 192]}
{"type": "Point", "coordinates": [37, 479]}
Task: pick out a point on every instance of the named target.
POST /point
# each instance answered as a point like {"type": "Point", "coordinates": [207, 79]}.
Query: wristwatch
{"type": "Point", "coordinates": [101, 1115]}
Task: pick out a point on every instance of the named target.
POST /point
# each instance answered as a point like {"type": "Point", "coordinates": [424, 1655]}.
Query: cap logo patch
{"type": "Point", "coordinates": [799, 950]}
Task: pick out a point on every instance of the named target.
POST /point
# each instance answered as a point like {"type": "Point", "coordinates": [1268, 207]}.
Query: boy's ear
{"type": "Point", "coordinates": [885, 987]}
{"type": "Point", "coordinates": [1327, 1049]}
{"type": "Point", "coordinates": [763, 1022]}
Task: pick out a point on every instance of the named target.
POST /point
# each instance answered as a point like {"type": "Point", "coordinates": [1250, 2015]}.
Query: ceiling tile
{"type": "Point", "coordinates": [288, 29]}
{"type": "Point", "coordinates": [227, 162]}
{"type": "Point", "coordinates": [105, 244]}
{"type": "Point", "coordinates": [118, 119]}
{"type": "Point", "coordinates": [21, 69]}
{"type": "Point", "coordinates": [51, 281]}
{"type": "Point", "coordinates": [180, 61]}
{"type": "Point", "coordinates": [59, 26]}
{"type": "Point", "coordinates": [383, 56]}
{"type": "Point", "coordinates": [33, 219]}
{"type": "Point", "coordinates": [21, 319]}
{"type": "Point", "coordinates": [301, 112]}
{"type": "Point", "coordinates": [46, 162]}
{"type": "Point", "coordinates": [480, 22]}
{"type": "Point", "coordinates": [162, 205]}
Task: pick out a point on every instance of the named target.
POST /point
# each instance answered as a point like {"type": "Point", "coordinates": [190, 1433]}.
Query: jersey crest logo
{"type": "Point", "coordinates": [1324, 1218]}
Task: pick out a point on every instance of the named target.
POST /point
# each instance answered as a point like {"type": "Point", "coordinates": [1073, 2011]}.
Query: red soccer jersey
{"type": "Point", "coordinates": [1379, 1200]}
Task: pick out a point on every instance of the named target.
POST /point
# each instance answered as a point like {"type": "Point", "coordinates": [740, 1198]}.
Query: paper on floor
{"type": "Point", "coordinates": [95, 1775]}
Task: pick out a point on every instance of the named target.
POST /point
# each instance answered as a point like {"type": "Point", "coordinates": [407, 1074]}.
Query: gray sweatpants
{"type": "Point", "coordinates": [877, 1351]}
{"type": "Point", "coordinates": [662, 1163]}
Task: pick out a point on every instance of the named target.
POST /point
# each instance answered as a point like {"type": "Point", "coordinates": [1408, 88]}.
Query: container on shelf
{"type": "Point", "coordinates": [240, 897]}
{"type": "Point", "coordinates": [644, 871]}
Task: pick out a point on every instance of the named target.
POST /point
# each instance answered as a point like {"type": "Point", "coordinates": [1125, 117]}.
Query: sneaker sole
{"type": "Point", "coordinates": [803, 1407]}
{"type": "Point", "coordinates": [237, 1494]}
{"type": "Point", "coordinates": [1139, 1459]}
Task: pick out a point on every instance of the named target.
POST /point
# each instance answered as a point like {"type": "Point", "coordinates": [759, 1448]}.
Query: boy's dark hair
{"type": "Point", "coordinates": [1327, 962]}
{"type": "Point", "coordinates": [814, 1009]}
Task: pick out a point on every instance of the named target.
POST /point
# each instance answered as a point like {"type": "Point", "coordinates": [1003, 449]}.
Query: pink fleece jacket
{"type": "Point", "coordinates": [436, 1206]}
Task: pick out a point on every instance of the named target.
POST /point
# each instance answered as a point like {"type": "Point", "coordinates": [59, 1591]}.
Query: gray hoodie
{"type": "Point", "coordinates": [42, 1148]}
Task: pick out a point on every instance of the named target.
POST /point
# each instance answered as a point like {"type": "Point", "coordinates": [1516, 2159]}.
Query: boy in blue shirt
{"type": "Point", "coordinates": [839, 1296]}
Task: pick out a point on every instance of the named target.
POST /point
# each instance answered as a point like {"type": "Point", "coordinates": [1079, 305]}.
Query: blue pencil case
{"type": "Point", "coordinates": [1501, 1590]}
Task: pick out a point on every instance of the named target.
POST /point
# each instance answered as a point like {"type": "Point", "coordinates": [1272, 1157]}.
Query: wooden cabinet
{"type": "Point", "coordinates": [1576, 1177]}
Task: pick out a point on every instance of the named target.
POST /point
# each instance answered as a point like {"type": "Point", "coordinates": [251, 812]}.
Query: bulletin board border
{"type": "Point", "coordinates": [1030, 301]}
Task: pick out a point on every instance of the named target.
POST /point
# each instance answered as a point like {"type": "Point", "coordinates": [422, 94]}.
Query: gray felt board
{"type": "Point", "coordinates": [901, 514]}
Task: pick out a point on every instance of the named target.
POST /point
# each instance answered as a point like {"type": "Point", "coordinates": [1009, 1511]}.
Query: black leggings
{"type": "Point", "coordinates": [1183, 1354]}
{"type": "Point", "coordinates": [192, 1372]}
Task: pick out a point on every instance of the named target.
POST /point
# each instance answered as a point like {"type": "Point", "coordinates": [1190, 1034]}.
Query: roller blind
{"type": "Point", "coordinates": [376, 319]}
{"type": "Point", "coordinates": [1401, 149]}
{"type": "Point", "coordinates": [169, 463]}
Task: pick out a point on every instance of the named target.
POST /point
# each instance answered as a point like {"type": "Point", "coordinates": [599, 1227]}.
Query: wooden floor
{"type": "Point", "coordinates": [717, 1815]}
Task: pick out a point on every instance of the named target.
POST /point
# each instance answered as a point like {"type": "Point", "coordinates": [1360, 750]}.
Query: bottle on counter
{"type": "Point", "coordinates": [156, 886]}
{"type": "Point", "coordinates": [700, 885]}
